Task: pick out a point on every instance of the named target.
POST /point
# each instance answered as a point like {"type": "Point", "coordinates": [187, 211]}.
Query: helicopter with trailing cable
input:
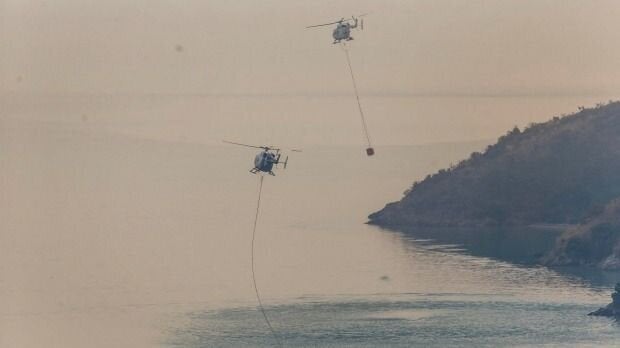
{"type": "Point", "coordinates": [343, 27]}
{"type": "Point", "coordinates": [266, 159]}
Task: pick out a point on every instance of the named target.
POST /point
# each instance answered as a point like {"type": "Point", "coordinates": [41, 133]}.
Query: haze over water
{"type": "Point", "coordinates": [117, 236]}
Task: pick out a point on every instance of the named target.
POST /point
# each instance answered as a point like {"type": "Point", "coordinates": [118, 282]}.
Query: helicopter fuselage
{"type": "Point", "coordinates": [342, 32]}
{"type": "Point", "coordinates": [343, 28]}
{"type": "Point", "coordinates": [264, 161]}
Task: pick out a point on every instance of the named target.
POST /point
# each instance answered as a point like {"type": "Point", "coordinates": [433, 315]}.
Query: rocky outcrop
{"type": "Point", "coordinates": [612, 310]}
{"type": "Point", "coordinates": [593, 243]}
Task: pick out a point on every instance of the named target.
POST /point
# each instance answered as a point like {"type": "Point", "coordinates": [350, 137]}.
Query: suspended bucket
{"type": "Point", "coordinates": [370, 151]}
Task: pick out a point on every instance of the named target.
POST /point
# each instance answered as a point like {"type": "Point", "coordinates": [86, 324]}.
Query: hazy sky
{"type": "Point", "coordinates": [550, 47]}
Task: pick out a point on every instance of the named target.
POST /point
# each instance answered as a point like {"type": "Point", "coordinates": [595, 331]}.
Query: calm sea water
{"type": "Point", "coordinates": [113, 240]}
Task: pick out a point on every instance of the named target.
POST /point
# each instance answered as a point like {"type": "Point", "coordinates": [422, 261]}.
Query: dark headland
{"type": "Point", "coordinates": [564, 173]}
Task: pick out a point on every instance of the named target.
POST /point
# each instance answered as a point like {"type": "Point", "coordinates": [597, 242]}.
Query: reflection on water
{"type": "Point", "coordinates": [518, 245]}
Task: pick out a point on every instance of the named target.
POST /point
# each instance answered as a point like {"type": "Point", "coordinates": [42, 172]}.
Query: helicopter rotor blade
{"type": "Point", "coordinates": [322, 25]}
{"type": "Point", "coordinates": [284, 149]}
{"type": "Point", "coordinates": [290, 149]}
{"type": "Point", "coordinates": [246, 145]}
{"type": "Point", "coordinates": [268, 148]}
{"type": "Point", "coordinates": [339, 21]}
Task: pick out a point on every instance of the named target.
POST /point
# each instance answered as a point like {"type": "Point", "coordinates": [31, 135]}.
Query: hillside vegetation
{"type": "Point", "coordinates": [564, 171]}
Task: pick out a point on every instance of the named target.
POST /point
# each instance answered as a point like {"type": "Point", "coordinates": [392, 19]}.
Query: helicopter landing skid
{"type": "Point", "coordinates": [256, 170]}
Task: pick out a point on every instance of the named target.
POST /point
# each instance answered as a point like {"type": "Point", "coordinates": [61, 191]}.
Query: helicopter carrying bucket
{"type": "Point", "coordinates": [370, 151]}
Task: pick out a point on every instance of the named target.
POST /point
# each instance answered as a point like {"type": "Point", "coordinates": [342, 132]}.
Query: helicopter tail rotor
{"type": "Point", "coordinates": [285, 162]}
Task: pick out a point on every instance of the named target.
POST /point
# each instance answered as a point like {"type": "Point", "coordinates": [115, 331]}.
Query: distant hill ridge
{"type": "Point", "coordinates": [558, 172]}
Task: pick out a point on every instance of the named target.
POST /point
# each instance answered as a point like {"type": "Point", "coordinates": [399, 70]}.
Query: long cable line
{"type": "Point", "coordinates": [260, 303]}
{"type": "Point", "coordinates": [357, 96]}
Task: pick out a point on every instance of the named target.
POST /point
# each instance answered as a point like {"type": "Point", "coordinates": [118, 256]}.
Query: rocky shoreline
{"type": "Point", "coordinates": [612, 310]}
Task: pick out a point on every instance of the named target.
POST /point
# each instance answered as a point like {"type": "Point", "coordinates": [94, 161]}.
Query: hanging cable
{"type": "Point", "coordinates": [359, 104]}
{"type": "Point", "coordinates": [260, 303]}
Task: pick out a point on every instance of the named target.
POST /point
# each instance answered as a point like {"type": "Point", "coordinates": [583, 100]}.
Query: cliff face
{"type": "Point", "coordinates": [563, 171]}
{"type": "Point", "coordinates": [593, 243]}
